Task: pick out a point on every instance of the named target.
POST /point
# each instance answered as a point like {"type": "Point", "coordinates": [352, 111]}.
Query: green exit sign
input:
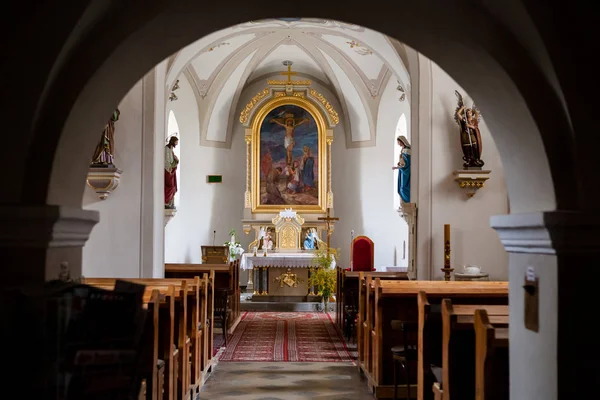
{"type": "Point", "coordinates": [214, 178]}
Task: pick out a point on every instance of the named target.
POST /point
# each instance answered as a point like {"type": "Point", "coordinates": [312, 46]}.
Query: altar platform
{"type": "Point", "coordinates": [281, 276]}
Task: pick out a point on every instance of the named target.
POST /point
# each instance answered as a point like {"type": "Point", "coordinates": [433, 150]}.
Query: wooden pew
{"type": "Point", "coordinates": [458, 346]}
{"type": "Point", "coordinates": [348, 281]}
{"type": "Point", "coordinates": [491, 359]}
{"type": "Point", "coordinates": [383, 301]}
{"type": "Point", "coordinates": [226, 276]}
{"type": "Point", "coordinates": [186, 332]}
{"type": "Point", "coordinates": [431, 336]}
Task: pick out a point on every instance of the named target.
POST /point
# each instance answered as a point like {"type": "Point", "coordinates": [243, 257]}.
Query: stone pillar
{"type": "Point", "coordinates": [408, 212]}
{"type": "Point", "coordinates": [36, 240]}
{"type": "Point", "coordinates": [563, 248]}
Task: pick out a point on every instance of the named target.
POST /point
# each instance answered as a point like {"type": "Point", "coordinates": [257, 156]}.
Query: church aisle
{"type": "Point", "coordinates": [285, 381]}
{"type": "Point", "coordinates": [286, 336]}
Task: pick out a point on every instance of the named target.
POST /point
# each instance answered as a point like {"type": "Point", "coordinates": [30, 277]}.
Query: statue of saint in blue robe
{"type": "Point", "coordinates": [309, 242]}
{"type": "Point", "coordinates": [404, 175]}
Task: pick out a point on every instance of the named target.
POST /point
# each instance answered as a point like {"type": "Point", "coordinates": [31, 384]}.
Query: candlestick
{"type": "Point", "coordinates": [447, 269]}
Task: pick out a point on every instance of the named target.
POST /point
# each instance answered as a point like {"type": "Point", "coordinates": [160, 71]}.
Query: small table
{"type": "Point", "coordinates": [471, 277]}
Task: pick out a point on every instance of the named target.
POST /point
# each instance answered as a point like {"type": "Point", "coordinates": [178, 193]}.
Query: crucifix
{"type": "Point", "coordinates": [328, 220]}
{"type": "Point", "coordinates": [289, 72]}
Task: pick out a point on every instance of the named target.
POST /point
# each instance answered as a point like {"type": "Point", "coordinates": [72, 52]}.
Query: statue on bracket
{"type": "Point", "coordinates": [171, 163]}
{"type": "Point", "coordinates": [470, 137]}
{"type": "Point", "coordinates": [105, 149]}
{"type": "Point", "coordinates": [403, 168]}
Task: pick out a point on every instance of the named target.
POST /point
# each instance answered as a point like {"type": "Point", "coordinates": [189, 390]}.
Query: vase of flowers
{"type": "Point", "coordinates": [324, 277]}
{"type": "Point", "coordinates": [235, 247]}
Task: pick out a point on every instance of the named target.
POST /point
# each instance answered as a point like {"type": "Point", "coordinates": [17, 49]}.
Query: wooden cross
{"type": "Point", "coordinates": [289, 72]}
{"type": "Point", "coordinates": [328, 220]}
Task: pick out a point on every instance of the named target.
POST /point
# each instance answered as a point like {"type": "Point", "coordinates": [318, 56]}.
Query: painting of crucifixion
{"type": "Point", "coordinates": [289, 157]}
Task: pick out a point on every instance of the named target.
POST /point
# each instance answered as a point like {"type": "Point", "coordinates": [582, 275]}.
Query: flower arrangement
{"type": "Point", "coordinates": [324, 277]}
{"type": "Point", "coordinates": [235, 247]}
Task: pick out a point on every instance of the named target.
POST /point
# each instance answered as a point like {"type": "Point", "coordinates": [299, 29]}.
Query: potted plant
{"type": "Point", "coordinates": [235, 247]}
{"type": "Point", "coordinates": [324, 277]}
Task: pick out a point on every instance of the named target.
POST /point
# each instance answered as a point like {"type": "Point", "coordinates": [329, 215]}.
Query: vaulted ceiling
{"type": "Point", "coordinates": [353, 62]}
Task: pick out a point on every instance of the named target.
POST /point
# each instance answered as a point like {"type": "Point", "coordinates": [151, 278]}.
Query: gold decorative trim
{"type": "Point", "coordinates": [245, 114]}
{"type": "Point", "coordinates": [248, 199]}
{"type": "Point", "coordinates": [278, 82]}
{"type": "Point", "coordinates": [332, 113]}
{"type": "Point", "coordinates": [299, 94]}
{"type": "Point", "coordinates": [280, 94]}
{"type": "Point", "coordinates": [315, 111]}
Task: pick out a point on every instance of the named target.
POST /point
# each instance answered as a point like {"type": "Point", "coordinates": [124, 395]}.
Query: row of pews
{"type": "Point", "coordinates": [226, 276]}
{"type": "Point", "coordinates": [347, 293]}
{"type": "Point", "coordinates": [183, 314]}
{"type": "Point", "coordinates": [460, 345]}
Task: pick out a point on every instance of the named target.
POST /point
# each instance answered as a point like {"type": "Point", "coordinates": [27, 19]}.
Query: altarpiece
{"type": "Point", "coordinates": [289, 133]}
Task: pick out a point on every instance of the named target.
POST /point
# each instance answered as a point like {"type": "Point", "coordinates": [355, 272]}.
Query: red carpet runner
{"type": "Point", "coordinates": [286, 336]}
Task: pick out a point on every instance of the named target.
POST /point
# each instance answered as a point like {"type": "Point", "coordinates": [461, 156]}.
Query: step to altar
{"type": "Point", "coordinates": [258, 303]}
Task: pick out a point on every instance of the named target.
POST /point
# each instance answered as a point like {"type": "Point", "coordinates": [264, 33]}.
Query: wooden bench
{"type": "Point", "coordinates": [384, 301]}
{"type": "Point", "coordinates": [431, 336]}
{"type": "Point", "coordinates": [348, 286]}
{"type": "Point", "coordinates": [226, 276]}
{"type": "Point", "coordinates": [182, 325]}
{"type": "Point", "coordinates": [459, 343]}
{"type": "Point", "coordinates": [491, 358]}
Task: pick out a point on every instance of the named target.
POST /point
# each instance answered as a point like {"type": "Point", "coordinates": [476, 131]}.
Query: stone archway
{"type": "Point", "coordinates": [89, 57]}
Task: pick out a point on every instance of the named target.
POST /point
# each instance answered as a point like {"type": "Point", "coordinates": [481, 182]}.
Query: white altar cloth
{"type": "Point", "coordinates": [283, 260]}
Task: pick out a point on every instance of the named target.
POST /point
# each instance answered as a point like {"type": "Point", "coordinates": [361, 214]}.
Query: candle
{"type": "Point", "coordinates": [446, 233]}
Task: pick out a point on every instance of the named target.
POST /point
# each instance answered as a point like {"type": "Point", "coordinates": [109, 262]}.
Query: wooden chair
{"type": "Point", "coordinates": [221, 310]}
{"type": "Point", "coordinates": [362, 254]}
{"type": "Point", "coordinates": [406, 353]}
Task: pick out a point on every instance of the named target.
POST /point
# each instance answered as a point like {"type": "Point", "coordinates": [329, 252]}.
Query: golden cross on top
{"type": "Point", "coordinates": [328, 220]}
{"type": "Point", "coordinates": [289, 72]}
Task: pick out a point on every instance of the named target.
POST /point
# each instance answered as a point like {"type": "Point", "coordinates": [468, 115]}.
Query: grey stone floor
{"type": "Point", "coordinates": [285, 381]}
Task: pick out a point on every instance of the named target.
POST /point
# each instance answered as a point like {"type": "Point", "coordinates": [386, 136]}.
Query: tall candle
{"type": "Point", "coordinates": [446, 233]}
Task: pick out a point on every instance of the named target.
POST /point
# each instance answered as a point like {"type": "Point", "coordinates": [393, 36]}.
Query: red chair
{"type": "Point", "coordinates": [362, 254]}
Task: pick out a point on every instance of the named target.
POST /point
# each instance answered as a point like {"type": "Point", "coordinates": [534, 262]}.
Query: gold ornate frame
{"type": "Point", "coordinates": [322, 157]}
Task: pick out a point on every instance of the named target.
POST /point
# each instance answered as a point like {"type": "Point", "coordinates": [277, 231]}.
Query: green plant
{"type": "Point", "coordinates": [324, 277]}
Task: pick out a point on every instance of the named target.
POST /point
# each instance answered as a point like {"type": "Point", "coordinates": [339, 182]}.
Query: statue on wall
{"type": "Point", "coordinates": [104, 152]}
{"type": "Point", "coordinates": [403, 168]}
{"type": "Point", "coordinates": [310, 241]}
{"type": "Point", "coordinates": [470, 137]}
{"type": "Point", "coordinates": [171, 162]}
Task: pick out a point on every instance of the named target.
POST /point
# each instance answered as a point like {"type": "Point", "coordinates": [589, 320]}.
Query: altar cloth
{"type": "Point", "coordinates": [279, 260]}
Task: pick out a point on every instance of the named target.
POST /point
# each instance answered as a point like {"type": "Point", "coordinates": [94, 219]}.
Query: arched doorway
{"type": "Point", "coordinates": [525, 110]}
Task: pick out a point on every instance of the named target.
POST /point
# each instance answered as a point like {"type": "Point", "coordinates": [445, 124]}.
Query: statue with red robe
{"type": "Point", "coordinates": [171, 162]}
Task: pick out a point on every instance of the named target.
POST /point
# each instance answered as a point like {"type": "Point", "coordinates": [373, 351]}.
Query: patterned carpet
{"type": "Point", "coordinates": [286, 336]}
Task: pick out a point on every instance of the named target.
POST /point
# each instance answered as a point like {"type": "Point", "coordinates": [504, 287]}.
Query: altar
{"type": "Point", "coordinates": [288, 133]}
{"type": "Point", "coordinates": [281, 276]}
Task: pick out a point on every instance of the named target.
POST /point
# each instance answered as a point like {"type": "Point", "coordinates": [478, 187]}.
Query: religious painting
{"type": "Point", "coordinates": [288, 159]}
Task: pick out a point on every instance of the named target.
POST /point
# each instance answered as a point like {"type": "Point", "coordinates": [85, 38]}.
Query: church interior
{"type": "Point", "coordinates": [221, 205]}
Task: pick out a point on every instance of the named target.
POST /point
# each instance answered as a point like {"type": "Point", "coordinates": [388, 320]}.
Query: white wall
{"type": "Point", "coordinates": [364, 187]}
{"type": "Point", "coordinates": [472, 240]}
{"type": "Point", "coordinates": [113, 249]}
{"type": "Point", "coordinates": [203, 207]}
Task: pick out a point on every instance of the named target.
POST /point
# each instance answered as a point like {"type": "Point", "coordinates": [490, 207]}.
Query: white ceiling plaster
{"type": "Point", "coordinates": [302, 62]}
{"type": "Point", "coordinates": [319, 50]}
{"type": "Point", "coordinates": [207, 61]}
{"type": "Point", "coordinates": [362, 55]}
{"type": "Point", "coordinates": [359, 120]}
{"type": "Point", "coordinates": [219, 118]}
